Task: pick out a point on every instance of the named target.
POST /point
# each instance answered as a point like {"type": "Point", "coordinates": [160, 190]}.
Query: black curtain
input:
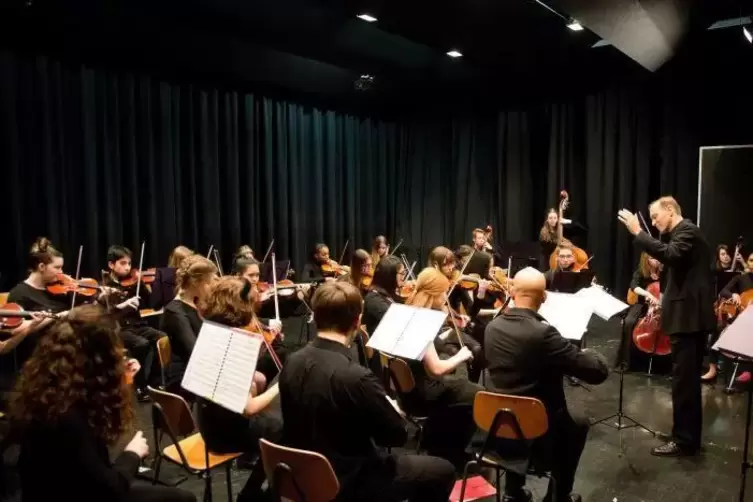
{"type": "Point", "coordinates": [94, 157]}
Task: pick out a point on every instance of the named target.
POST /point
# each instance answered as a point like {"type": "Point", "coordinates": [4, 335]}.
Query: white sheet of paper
{"type": "Point", "coordinates": [237, 374]}
{"type": "Point", "coordinates": [604, 305]}
{"type": "Point", "coordinates": [222, 365]}
{"type": "Point", "coordinates": [568, 313]}
{"type": "Point", "coordinates": [406, 331]}
{"type": "Point", "coordinates": [736, 338]}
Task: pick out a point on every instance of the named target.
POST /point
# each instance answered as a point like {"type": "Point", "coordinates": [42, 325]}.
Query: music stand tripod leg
{"type": "Point", "coordinates": [745, 465]}
{"type": "Point", "coordinates": [620, 415]}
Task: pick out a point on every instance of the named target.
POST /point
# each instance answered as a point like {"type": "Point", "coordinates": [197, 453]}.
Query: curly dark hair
{"type": "Point", "coordinates": [78, 363]}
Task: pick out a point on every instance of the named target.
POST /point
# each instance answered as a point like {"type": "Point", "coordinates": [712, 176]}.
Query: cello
{"type": "Point", "coordinates": [648, 336]}
{"type": "Point", "coordinates": [581, 257]}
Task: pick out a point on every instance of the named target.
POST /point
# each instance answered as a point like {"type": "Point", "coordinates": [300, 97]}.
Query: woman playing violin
{"type": "Point", "coordinates": [447, 402]}
{"type": "Point", "coordinates": [321, 267]}
{"type": "Point", "coordinates": [444, 260]}
{"type": "Point", "coordinates": [640, 298]}
{"type": "Point", "coordinates": [379, 249]}
{"type": "Point", "coordinates": [361, 271]}
{"type": "Point", "coordinates": [181, 321]}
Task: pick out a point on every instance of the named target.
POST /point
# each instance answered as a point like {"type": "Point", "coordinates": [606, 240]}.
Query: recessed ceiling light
{"type": "Point", "coordinates": [454, 54]}
{"type": "Point", "coordinates": [575, 25]}
{"type": "Point", "coordinates": [367, 17]}
{"type": "Point", "coordinates": [748, 34]}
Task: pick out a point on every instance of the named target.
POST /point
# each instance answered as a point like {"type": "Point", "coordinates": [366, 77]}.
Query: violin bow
{"type": "Point", "coordinates": [78, 272]}
{"type": "Point", "coordinates": [399, 243]}
{"type": "Point", "coordinates": [645, 225]}
{"type": "Point", "coordinates": [141, 264]}
{"type": "Point", "coordinates": [342, 256]}
{"type": "Point", "coordinates": [462, 270]}
{"type": "Point", "coordinates": [217, 261]}
{"type": "Point", "coordinates": [209, 254]}
{"type": "Point", "coordinates": [269, 250]}
{"type": "Point", "coordinates": [274, 284]}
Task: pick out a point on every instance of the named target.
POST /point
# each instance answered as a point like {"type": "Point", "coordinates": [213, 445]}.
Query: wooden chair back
{"type": "Point", "coordinates": [4, 298]}
{"type": "Point", "coordinates": [298, 474]}
{"type": "Point", "coordinates": [400, 374]}
{"type": "Point", "coordinates": [177, 413]}
{"type": "Point", "coordinates": [365, 339]}
{"type": "Point", "coordinates": [510, 417]}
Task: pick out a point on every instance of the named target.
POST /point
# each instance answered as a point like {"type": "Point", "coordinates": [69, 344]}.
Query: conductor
{"type": "Point", "coordinates": [687, 313]}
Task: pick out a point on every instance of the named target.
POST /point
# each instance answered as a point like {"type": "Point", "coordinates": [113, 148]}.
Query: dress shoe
{"type": "Point", "coordinates": [710, 375]}
{"type": "Point", "coordinates": [672, 449]}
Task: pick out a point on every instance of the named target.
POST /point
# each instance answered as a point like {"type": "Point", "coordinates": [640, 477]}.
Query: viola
{"type": "Point", "coordinates": [146, 276]}
{"type": "Point", "coordinates": [12, 316]}
{"type": "Point", "coordinates": [648, 336]}
{"type": "Point", "coordinates": [66, 284]}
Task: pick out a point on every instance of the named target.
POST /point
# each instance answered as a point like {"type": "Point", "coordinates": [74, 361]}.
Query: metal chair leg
{"type": "Point", "coordinates": [207, 486]}
{"type": "Point", "coordinates": [228, 472]}
{"type": "Point", "coordinates": [465, 479]}
{"type": "Point", "coordinates": [156, 467]}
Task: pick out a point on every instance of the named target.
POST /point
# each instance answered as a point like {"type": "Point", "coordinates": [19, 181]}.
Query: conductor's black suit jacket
{"type": "Point", "coordinates": [687, 279]}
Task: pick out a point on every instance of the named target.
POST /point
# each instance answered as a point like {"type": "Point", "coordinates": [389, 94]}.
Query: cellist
{"type": "Point", "coordinates": [639, 298]}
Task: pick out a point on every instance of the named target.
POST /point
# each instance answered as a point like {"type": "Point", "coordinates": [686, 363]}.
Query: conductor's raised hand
{"type": "Point", "coordinates": [630, 221]}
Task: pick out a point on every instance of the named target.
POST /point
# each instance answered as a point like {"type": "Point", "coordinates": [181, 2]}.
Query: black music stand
{"type": "Point", "coordinates": [736, 341]}
{"type": "Point", "coordinates": [571, 282]}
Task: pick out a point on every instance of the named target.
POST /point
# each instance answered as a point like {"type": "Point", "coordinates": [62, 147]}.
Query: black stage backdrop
{"type": "Point", "coordinates": [94, 156]}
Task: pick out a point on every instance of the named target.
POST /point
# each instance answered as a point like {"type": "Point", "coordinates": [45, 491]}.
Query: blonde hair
{"type": "Point", "coordinates": [430, 285]}
{"type": "Point", "coordinates": [179, 254]}
{"type": "Point", "coordinates": [668, 202]}
{"type": "Point", "coordinates": [194, 270]}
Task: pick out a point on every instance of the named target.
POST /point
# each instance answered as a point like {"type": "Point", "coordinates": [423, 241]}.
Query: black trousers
{"type": "Point", "coordinates": [417, 478]}
{"type": "Point", "coordinates": [559, 451]}
{"type": "Point", "coordinates": [687, 360]}
{"type": "Point", "coordinates": [141, 343]}
{"type": "Point", "coordinates": [146, 492]}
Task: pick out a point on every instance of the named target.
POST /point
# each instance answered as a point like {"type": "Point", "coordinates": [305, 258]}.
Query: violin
{"type": "Point", "coordinates": [407, 289]}
{"type": "Point", "coordinates": [334, 269]}
{"type": "Point", "coordinates": [146, 276]}
{"type": "Point", "coordinates": [66, 284]}
{"type": "Point", "coordinates": [581, 257]}
{"type": "Point", "coordinates": [269, 337]}
{"type": "Point", "coordinates": [648, 336]}
{"type": "Point", "coordinates": [12, 316]}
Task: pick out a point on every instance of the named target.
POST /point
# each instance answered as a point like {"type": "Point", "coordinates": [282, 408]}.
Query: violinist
{"type": "Point", "coordinates": [444, 260]}
{"type": "Point", "coordinates": [245, 252]}
{"type": "Point", "coordinates": [361, 271]}
{"type": "Point", "coordinates": [248, 269]}
{"type": "Point", "coordinates": [181, 321]}
{"type": "Point", "coordinates": [139, 338]}
{"type": "Point", "coordinates": [379, 249]}
{"type": "Point", "coordinates": [164, 285]}
{"type": "Point", "coordinates": [10, 338]}
{"type": "Point", "coordinates": [647, 272]}
{"type": "Point", "coordinates": [548, 237]}
{"type": "Point", "coordinates": [230, 302]}
{"type": "Point", "coordinates": [313, 271]}
{"type": "Point", "coordinates": [447, 402]}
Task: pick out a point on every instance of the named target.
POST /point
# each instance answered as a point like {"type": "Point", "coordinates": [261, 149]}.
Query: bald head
{"type": "Point", "coordinates": [529, 290]}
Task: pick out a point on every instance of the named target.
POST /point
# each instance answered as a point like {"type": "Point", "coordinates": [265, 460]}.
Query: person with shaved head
{"type": "Point", "coordinates": [528, 357]}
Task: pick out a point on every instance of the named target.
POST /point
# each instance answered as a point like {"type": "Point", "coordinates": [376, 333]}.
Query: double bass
{"type": "Point", "coordinates": [581, 257]}
{"type": "Point", "coordinates": [648, 336]}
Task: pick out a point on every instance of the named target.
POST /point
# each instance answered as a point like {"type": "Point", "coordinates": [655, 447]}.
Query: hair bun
{"type": "Point", "coordinates": [40, 245]}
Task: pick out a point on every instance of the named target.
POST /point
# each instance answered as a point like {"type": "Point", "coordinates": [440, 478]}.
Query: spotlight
{"type": "Point", "coordinates": [748, 34]}
{"type": "Point", "coordinates": [367, 17]}
{"type": "Point", "coordinates": [455, 54]}
{"type": "Point", "coordinates": [575, 25]}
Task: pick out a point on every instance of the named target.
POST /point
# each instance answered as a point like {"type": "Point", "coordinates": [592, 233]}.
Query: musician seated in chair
{"type": "Point", "coordinates": [528, 357]}
{"type": "Point", "coordinates": [735, 291]}
{"type": "Point", "coordinates": [565, 262]}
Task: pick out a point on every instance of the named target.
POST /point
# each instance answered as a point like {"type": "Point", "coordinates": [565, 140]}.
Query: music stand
{"type": "Point", "coordinates": [736, 341]}
{"type": "Point", "coordinates": [571, 282]}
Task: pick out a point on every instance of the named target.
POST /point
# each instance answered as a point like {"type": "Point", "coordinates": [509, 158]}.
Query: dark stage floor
{"type": "Point", "coordinates": [617, 466]}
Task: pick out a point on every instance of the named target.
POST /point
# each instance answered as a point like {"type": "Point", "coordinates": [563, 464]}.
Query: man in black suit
{"type": "Point", "coordinates": [528, 357]}
{"type": "Point", "coordinates": [687, 312]}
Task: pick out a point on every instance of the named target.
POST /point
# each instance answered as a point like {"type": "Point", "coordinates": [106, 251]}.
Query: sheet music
{"type": "Point", "coordinates": [736, 339]}
{"type": "Point", "coordinates": [222, 365]}
{"type": "Point", "coordinates": [604, 305]}
{"type": "Point", "coordinates": [568, 313]}
{"type": "Point", "coordinates": [407, 331]}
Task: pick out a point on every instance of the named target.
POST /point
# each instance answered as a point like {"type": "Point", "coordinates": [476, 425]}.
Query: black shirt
{"type": "Point", "coordinates": [65, 460]}
{"type": "Point", "coordinates": [34, 300]}
{"type": "Point", "coordinates": [375, 305]}
{"type": "Point", "coordinates": [181, 323]}
{"type": "Point", "coordinates": [312, 272]}
{"type": "Point", "coordinates": [738, 285]}
{"type": "Point", "coordinates": [334, 406]}
{"type": "Point", "coordinates": [528, 357]}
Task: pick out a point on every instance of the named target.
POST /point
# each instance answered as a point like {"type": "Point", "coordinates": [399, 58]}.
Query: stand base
{"type": "Point", "coordinates": [619, 425]}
